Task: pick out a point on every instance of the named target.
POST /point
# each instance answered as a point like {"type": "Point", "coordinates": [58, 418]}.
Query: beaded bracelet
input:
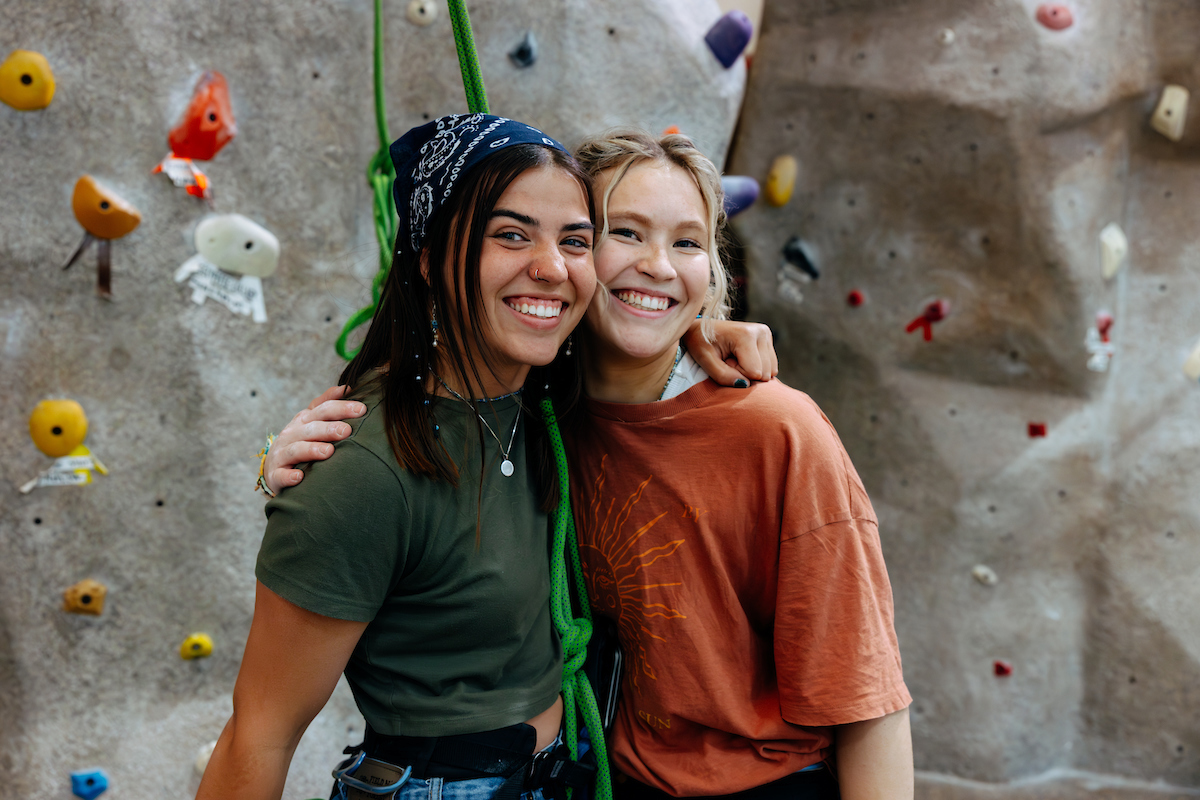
{"type": "Point", "coordinates": [261, 483]}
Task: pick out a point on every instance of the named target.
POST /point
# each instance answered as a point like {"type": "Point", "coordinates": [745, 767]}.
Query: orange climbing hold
{"type": "Point", "coordinates": [208, 123]}
{"type": "Point", "coordinates": [670, 130]}
{"type": "Point", "coordinates": [1055, 16]}
{"type": "Point", "coordinates": [26, 81]}
{"type": "Point", "coordinates": [102, 213]}
{"type": "Point", "coordinates": [85, 597]}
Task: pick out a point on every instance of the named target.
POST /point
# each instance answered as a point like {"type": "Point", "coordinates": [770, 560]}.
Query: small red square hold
{"type": "Point", "coordinates": [1002, 668]}
{"type": "Point", "coordinates": [854, 299]}
{"type": "Point", "coordinates": [1037, 430]}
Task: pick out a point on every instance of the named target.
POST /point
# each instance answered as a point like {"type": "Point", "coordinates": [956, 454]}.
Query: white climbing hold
{"type": "Point", "coordinates": [203, 755]}
{"type": "Point", "coordinates": [1114, 247]}
{"type": "Point", "coordinates": [237, 244]}
{"type": "Point", "coordinates": [1191, 367]}
{"type": "Point", "coordinates": [422, 12]}
{"type": "Point", "coordinates": [1171, 113]}
{"type": "Point", "coordinates": [985, 575]}
{"type": "Point", "coordinates": [946, 36]}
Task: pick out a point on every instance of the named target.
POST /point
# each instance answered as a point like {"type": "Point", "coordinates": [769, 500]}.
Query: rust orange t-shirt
{"type": "Point", "coordinates": [730, 538]}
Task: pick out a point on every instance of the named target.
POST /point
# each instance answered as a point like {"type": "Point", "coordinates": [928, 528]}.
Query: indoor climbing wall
{"type": "Point", "coordinates": [200, 169]}
{"type": "Point", "coordinates": [977, 248]}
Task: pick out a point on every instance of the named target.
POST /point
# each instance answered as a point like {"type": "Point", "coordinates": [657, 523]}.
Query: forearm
{"type": "Point", "coordinates": [243, 765]}
{"type": "Point", "coordinates": [874, 758]}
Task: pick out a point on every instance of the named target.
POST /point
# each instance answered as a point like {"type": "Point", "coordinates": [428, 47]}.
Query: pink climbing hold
{"type": "Point", "coordinates": [934, 312]}
{"type": "Point", "coordinates": [1055, 16]}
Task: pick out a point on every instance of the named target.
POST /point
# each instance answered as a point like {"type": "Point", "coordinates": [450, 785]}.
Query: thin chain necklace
{"type": "Point", "coordinates": [506, 466]}
{"type": "Point", "coordinates": [674, 367]}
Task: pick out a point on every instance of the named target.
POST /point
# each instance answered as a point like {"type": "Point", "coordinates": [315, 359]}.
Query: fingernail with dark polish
{"type": "Point", "coordinates": [741, 383]}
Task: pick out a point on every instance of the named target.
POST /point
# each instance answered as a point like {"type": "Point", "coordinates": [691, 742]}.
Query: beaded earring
{"type": "Point", "coordinates": [434, 325]}
{"type": "Point", "coordinates": [570, 341]}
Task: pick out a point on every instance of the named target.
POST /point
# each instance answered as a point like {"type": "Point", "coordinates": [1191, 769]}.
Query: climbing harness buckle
{"type": "Point", "coordinates": [360, 778]}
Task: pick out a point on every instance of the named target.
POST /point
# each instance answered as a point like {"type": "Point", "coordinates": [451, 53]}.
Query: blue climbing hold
{"type": "Point", "coordinates": [740, 193]}
{"type": "Point", "coordinates": [89, 784]}
{"type": "Point", "coordinates": [526, 53]}
{"type": "Point", "coordinates": [729, 37]}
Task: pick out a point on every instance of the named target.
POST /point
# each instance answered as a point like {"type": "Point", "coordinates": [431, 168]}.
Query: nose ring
{"type": "Point", "coordinates": [535, 275]}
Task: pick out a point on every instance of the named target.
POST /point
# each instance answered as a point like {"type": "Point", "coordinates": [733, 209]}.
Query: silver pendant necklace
{"type": "Point", "coordinates": [506, 466]}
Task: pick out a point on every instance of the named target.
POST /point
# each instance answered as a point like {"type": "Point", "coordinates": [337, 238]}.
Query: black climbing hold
{"type": "Point", "coordinates": [524, 54]}
{"type": "Point", "coordinates": [793, 253]}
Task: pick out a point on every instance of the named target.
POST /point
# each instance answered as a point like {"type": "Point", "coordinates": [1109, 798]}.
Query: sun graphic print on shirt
{"type": "Point", "coordinates": [616, 554]}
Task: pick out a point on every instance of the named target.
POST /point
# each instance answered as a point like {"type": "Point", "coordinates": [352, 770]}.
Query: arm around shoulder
{"type": "Point", "coordinates": [280, 688]}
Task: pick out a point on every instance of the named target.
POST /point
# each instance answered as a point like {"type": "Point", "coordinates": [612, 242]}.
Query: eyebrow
{"type": "Point", "coordinates": [642, 219]}
{"type": "Point", "coordinates": [525, 219]}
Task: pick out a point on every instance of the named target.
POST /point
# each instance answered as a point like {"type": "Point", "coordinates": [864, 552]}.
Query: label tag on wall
{"type": "Point", "coordinates": [72, 470]}
{"type": "Point", "coordinates": [240, 294]}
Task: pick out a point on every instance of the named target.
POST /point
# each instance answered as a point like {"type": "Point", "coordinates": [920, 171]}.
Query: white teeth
{"type": "Point", "coordinates": [537, 310]}
{"type": "Point", "coordinates": [638, 300]}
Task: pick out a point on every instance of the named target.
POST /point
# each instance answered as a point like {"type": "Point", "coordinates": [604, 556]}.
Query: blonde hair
{"type": "Point", "coordinates": [621, 149]}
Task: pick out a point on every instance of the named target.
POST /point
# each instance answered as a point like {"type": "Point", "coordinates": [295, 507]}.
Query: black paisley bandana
{"type": "Point", "coordinates": [430, 159]}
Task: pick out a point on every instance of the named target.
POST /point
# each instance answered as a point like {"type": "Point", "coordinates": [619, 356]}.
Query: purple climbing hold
{"type": "Point", "coordinates": [740, 193]}
{"type": "Point", "coordinates": [729, 37]}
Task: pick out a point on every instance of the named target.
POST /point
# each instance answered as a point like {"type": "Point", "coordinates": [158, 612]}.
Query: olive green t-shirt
{"type": "Point", "coordinates": [460, 638]}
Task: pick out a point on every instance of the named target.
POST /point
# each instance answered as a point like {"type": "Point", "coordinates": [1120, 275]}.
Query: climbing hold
{"type": "Point", "coordinates": [101, 212]}
{"type": "Point", "coordinates": [1055, 16]}
{"type": "Point", "coordinates": [26, 81]}
{"type": "Point", "coordinates": [1171, 112]}
{"type": "Point", "coordinates": [781, 180]}
{"type": "Point", "coordinates": [934, 312]}
{"type": "Point", "coordinates": [855, 298]}
{"type": "Point", "coordinates": [198, 645]}
{"type": "Point", "coordinates": [208, 123]}
{"type": "Point", "coordinates": [231, 243]}
{"type": "Point", "coordinates": [946, 36]}
{"type": "Point", "coordinates": [1002, 669]}
{"type": "Point", "coordinates": [728, 37]}
{"type": "Point", "coordinates": [104, 217]}
{"type": "Point", "coordinates": [58, 426]}
{"type": "Point", "coordinates": [671, 129]}
{"type": "Point", "coordinates": [1104, 323]}
{"type": "Point", "coordinates": [237, 244]}
{"type": "Point", "coordinates": [740, 193]}
{"type": "Point", "coordinates": [524, 54]}
{"type": "Point", "coordinates": [793, 253]}
{"type": "Point", "coordinates": [422, 12]}
{"type": "Point", "coordinates": [985, 575]}
{"type": "Point", "coordinates": [1191, 367]}
{"type": "Point", "coordinates": [85, 597]}
{"type": "Point", "coordinates": [1113, 249]}
{"type": "Point", "coordinates": [1037, 430]}
{"type": "Point", "coordinates": [203, 755]}
{"type": "Point", "coordinates": [1098, 343]}
{"type": "Point", "coordinates": [89, 784]}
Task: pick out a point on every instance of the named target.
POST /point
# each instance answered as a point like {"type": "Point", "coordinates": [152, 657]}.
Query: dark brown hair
{"type": "Point", "coordinates": [398, 350]}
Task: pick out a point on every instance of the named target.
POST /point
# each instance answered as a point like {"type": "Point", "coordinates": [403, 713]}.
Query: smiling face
{"type": "Point", "coordinates": [654, 263]}
{"type": "Point", "coordinates": [535, 275]}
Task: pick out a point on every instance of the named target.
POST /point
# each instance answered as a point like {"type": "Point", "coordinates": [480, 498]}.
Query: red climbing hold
{"type": "Point", "coordinates": [1104, 323]}
{"type": "Point", "coordinates": [1055, 16]}
{"type": "Point", "coordinates": [208, 123]}
{"type": "Point", "coordinates": [854, 299]}
{"type": "Point", "coordinates": [1037, 430]}
{"type": "Point", "coordinates": [1002, 668]}
{"type": "Point", "coordinates": [934, 312]}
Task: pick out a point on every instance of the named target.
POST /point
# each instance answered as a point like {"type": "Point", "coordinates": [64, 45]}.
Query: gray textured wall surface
{"type": "Point", "coordinates": [980, 168]}
{"type": "Point", "coordinates": [179, 395]}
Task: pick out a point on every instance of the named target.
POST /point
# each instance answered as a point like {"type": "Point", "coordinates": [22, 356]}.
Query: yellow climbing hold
{"type": "Point", "coordinates": [57, 427]}
{"type": "Point", "coordinates": [102, 213]}
{"type": "Point", "coordinates": [26, 81]}
{"type": "Point", "coordinates": [781, 180]}
{"type": "Point", "coordinates": [85, 597]}
{"type": "Point", "coordinates": [198, 645]}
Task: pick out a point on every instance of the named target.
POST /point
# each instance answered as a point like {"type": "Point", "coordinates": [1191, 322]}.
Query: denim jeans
{"type": "Point", "coordinates": [438, 789]}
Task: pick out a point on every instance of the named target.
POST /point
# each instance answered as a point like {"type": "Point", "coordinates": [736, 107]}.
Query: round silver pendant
{"type": "Point", "coordinates": [506, 468]}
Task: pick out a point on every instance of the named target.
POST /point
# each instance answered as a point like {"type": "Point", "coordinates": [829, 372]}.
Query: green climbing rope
{"type": "Point", "coordinates": [468, 59]}
{"type": "Point", "coordinates": [380, 176]}
{"type": "Point", "coordinates": [574, 631]}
